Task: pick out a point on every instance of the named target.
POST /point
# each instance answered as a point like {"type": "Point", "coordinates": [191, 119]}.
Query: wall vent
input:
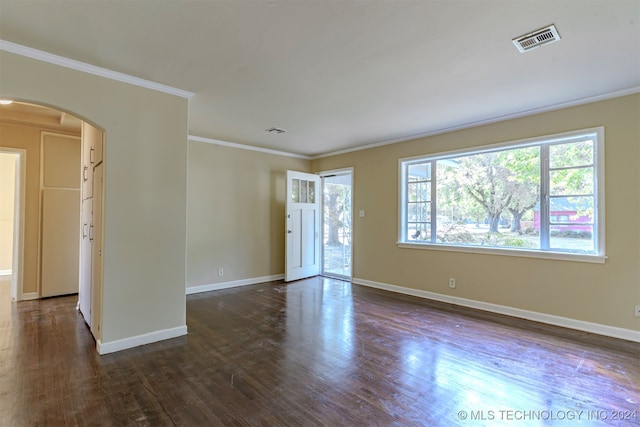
{"type": "Point", "coordinates": [537, 38]}
{"type": "Point", "coordinates": [275, 130]}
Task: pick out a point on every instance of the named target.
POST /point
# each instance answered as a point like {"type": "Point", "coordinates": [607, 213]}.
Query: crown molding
{"type": "Point", "coordinates": [41, 55]}
{"type": "Point", "coordinates": [554, 107]}
{"type": "Point", "coordinates": [581, 101]}
{"type": "Point", "coordinates": [246, 147]}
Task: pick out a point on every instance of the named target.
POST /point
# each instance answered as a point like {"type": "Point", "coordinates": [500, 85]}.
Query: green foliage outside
{"type": "Point", "coordinates": [489, 199]}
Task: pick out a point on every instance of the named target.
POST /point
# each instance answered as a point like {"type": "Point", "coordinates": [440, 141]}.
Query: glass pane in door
{"type": "Point", "coordinates": [337, 225]}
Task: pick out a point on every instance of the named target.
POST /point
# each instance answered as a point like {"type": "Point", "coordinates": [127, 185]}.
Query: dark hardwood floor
{"type": "Point", "coordinates": [315, 352]}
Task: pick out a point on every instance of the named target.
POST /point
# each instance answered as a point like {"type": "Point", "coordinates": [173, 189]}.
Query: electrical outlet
{"type": "Point", "coordinates": [452, 283]}
{"type": "Point", "coordinates": [220, 271]}
{"type": "Point", "coordinates": [637, 310]}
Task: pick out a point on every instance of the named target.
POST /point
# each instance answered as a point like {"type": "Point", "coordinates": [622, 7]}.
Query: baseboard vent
{"type": "Point", "coordinates": [537, 38]}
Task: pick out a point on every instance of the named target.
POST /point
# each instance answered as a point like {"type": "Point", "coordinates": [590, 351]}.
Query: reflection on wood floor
{"type": "Point", "coordinates": [315, 352]}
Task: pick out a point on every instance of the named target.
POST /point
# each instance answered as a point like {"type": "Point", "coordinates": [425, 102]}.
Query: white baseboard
{"type": "Point", "coordinates": [565, 322]}
{"type": "Point", "coordinates": [29, 296]}
{"type": "Point", "coordinates": [5, 272]}
{"type": "Point", "coordinates": [138, 340]}
{"type": "Point", "coordinates": [233, 284]}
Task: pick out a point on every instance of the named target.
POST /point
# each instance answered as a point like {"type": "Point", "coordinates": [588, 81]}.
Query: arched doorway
{"type": "Point", "coordinates": [55, 233]}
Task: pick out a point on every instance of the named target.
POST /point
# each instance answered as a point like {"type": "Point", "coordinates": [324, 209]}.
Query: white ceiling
{"type": "Point", "coordinates": [342, 74]}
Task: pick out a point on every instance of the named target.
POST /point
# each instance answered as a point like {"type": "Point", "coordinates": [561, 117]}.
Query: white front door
{"type": "Point", "coordinates": [302, 230]}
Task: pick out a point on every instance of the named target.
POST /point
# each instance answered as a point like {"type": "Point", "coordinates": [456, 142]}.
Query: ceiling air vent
{"type": "Point", "coordinates": [537, 38]}
{"type": "Point", "coordinates": [275, 130]}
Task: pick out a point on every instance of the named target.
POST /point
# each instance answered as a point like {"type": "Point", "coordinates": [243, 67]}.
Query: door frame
{"type": "Point", "coordinates": [19, 197]}
{"type": "Point", "coordinates": [323, 174]}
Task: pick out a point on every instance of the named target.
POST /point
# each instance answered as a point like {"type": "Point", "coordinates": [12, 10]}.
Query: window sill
{"type": "Point", "coordinates": [558, 256]}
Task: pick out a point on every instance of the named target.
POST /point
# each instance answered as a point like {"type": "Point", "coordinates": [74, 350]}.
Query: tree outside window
{"type": "Point", "coordinates": [539, 195]}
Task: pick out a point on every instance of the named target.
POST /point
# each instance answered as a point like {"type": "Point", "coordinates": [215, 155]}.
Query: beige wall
{"type": "Point", "coordinates": [7, 184]}
{"type": "Point", "coordinates": [236, 208]}
{"type": "Point", "coordinates": [598, 293]}
{"type": "Point", "coordinates": [145, 188]}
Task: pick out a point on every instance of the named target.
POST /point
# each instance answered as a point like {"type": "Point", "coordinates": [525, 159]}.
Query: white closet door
{"type": "Point", "coordinates": [60, 242]}
{"type": "Point", "coordinates": [60, 214]}
{"type": "Point", "coordinates": [84, 292]}
{"type": "Point", "coordinates": [96, 253]}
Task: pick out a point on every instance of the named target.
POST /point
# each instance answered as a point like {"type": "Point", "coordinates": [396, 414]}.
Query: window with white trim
{"type": "Point", "coordinates": [542, 195]}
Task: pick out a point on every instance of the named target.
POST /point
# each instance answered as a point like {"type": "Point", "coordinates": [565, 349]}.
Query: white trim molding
{"type": "Point", "coordinates": [20, 185]}
{"type": "Point", "coordinates": [580, 325]}
{"type": "Point", "coordinates": [28, 296]}
{"type": "Point", "coordinates": [246, 147]}
{"type": "Point", "coordinates": [609, 95]}
{"type": "Point", "coordinates": [233, 284]}
{"type": "Point", "coordinates": [41, 55]}
{"type": "Point", "coordinates": [138, 340]}
{"type": "Point", "coordinates": [484, 250]}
